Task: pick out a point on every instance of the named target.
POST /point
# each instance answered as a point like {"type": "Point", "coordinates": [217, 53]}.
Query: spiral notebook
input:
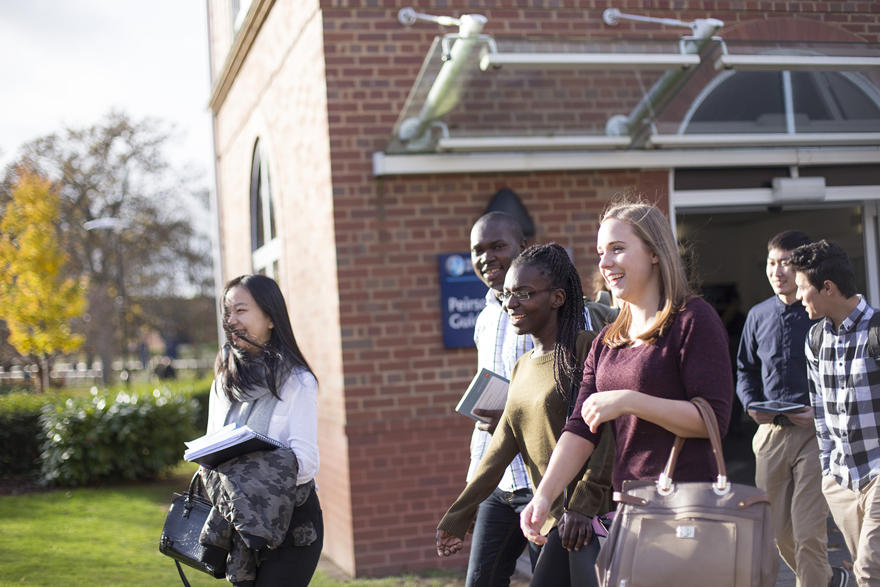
{"type": "Point", "coordinates": [229, 442]}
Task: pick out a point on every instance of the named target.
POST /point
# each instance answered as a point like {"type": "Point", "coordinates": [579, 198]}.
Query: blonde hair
{"type": "Point", "coordinates": [652, 227]}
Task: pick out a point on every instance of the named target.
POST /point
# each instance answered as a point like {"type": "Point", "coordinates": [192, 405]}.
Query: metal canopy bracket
{"type": "Point", "coordinates": [587, 61]}
{"type": "Point", "coordinates": [638, 124]}
{"type": "Point", "coordinates": [444, 93]}
{"type": "Point", "coordinates": [797, 63]}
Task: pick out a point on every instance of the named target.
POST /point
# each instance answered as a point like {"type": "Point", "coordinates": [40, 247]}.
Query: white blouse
{"type": "Point", "coordinates": [294, 421]}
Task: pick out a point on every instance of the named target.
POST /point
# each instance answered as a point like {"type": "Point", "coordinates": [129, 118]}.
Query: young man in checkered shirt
{"type": "Point", "coordinates": [845, 394]}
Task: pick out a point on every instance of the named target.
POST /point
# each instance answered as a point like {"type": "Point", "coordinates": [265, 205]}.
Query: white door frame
{"type": "Point", "coordinates": [867, 196]}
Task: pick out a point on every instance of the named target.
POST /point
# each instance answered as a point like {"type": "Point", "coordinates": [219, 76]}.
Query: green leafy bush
{"type": "Point", "coordinates": [106, 438]}
{"type": "Point", "coordinates": [20, 436]}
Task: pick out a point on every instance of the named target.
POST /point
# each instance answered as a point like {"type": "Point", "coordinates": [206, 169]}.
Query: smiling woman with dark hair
{"type": "Point", "coordinates": [262, 380]}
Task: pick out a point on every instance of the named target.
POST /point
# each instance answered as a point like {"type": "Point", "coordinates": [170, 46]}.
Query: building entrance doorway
{"type": "Point", "coordinates": [728, 245]}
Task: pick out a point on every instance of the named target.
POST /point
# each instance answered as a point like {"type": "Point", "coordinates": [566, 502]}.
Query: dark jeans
{"type": "Point", "coordinates": [556, 566]}
{"type": "Point", "coordinates": [293, 565]}
{"type": "Point", "coordinates": [498, 540]}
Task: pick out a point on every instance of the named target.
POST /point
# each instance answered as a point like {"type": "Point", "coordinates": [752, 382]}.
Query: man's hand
{"type": "Point", "coordinates": [447, 545]}
{"type": "Point", "coordinates": [574, 530]}
{"type": "Point", "coordinates": [491, 417]}
{"type": "Point", "coordinates": [761, 417]}
{"type": "Point", "coordinates": [802, 417]}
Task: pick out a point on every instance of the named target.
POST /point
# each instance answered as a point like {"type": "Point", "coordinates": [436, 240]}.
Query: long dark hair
{"type": "Point", "coordinates": [234, 368]}
{"type": "Point", "coordinates": [556, 267]}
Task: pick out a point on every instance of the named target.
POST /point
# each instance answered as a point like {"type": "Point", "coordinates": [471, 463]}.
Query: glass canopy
{"type": "Point", "coordinates": [494, 94]}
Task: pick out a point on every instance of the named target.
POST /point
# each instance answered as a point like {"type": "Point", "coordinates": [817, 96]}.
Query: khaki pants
{"type": "Point", "coordinates": [857, 514]}
{"type": "Point", "coordinates": [787, 468]}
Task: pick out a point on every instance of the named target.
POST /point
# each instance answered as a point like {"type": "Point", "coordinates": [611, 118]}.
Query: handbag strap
{"type": "Point", "coordinates": [182, 576]}
{"type": "Point", "coordinates": [664, 483]}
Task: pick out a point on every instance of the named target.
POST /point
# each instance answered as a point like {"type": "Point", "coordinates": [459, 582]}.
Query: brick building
{"type": "Point", "coordinates": [343, 175]}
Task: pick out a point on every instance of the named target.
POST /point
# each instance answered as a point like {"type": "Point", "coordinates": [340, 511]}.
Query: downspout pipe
{"type": "Point", "coordinates": [446, 89]}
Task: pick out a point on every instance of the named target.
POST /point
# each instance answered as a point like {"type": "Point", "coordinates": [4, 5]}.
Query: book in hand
{"type": "Point", "coordinates": [229, 442]}
{"type": "Point", "coordinates": [776, 407]}
{"type": "Point", "coordinates": [487, 391]}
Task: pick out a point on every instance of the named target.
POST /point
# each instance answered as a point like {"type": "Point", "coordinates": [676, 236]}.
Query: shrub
{"type": "Point", "coordinates": [106, 438]}
{"type": "Point", "coordinates": [20, 436]}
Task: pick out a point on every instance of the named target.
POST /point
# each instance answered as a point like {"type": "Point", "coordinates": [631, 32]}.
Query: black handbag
{"type": "Point", "coordinates": [180, 536]}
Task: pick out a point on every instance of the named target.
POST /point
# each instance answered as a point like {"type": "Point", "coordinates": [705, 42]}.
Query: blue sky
{"type": "Point", "coordinates": [67, 62]}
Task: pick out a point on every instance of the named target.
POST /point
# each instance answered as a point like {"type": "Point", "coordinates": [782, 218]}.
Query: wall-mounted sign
{"type": "Point", "coordinates": [462, 296]}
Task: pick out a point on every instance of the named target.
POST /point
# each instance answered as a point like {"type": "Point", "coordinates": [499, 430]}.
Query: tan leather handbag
{"type": "Point", "coordinates": [690, 534]}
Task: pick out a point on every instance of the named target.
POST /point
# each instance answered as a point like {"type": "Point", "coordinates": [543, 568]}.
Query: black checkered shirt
{"type": "Point", "coordinates": [845, 393]}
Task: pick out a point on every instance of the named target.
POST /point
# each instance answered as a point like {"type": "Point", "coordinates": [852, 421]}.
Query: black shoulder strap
{"type": "Point", "coordinates": [815, 337]}
{"type": "Point", "coordinates": [874, 336]}
{"type": "Point", "coordinates": [873, 348]}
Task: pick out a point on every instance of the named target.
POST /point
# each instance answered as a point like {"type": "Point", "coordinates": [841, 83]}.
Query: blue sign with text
{"type": "Point", "coordinates": [462, 296]}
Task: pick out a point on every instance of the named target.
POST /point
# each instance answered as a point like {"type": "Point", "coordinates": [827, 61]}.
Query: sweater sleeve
{"type": "Point", "coordinates": [590, 495]}
{"type": "Point", "coordinates": [705, 360]}
{"type": "Point", "coordinates": [501, 451]}
{"type": "Point", "coordinates": [575, 423]}
{"type": "Point", "coordinates": [592, 492]}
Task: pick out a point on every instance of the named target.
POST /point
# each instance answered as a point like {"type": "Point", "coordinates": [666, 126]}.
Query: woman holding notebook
{"type": "Point", "coordinates": [263, 381]}
{"type": "Point", "coordinates": [542, 297]}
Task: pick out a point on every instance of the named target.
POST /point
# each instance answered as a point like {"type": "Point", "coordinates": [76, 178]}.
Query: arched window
{"type": "Point", "coordinates": [785, 102]}
{"type": "Point", "coordinates": [265, 244]}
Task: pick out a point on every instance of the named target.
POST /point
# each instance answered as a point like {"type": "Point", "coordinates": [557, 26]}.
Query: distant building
{"type": "Point", "coordinates": [352, 151]}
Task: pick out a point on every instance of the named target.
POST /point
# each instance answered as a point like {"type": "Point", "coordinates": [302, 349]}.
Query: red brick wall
{"type": "Point", "coordinates": [393, 454]}
{"type": "Point", "coordinates": [407, 450]}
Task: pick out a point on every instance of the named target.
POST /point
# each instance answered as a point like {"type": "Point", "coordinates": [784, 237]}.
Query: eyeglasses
{"type": "Point", "coordinates": [520, 294]}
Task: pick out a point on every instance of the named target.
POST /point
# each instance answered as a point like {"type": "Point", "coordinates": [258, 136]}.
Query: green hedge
{"type": "Point", "coordinates": [20, 435]}
{"type": "Point", "coordinates": [82, 437]}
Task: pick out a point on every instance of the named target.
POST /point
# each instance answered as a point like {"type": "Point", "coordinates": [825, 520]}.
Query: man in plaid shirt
{"type": "Point", "coordinates": [845, 394]}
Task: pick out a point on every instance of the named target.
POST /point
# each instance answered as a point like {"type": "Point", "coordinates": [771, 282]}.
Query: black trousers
{"type": "Point", "coordinates": [291, 565]}
{"type": "Point", "coordinates": [560, 568]}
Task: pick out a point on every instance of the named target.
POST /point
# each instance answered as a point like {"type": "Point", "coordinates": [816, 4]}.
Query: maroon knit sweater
{"type": "Point", "coordinates": [691, 359]}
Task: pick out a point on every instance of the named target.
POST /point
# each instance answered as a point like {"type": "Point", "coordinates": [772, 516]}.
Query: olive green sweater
{"type": "Point", "coordinates": [530, 425]}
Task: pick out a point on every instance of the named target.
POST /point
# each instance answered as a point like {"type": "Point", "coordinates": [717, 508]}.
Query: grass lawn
{"type": "Point", "coordinates": [110, 536]}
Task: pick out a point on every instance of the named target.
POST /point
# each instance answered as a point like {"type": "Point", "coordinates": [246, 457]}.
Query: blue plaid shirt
{"type": "Point", "coordinates": [845, 394]}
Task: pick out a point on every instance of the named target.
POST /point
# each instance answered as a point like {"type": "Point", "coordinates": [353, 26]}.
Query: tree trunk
{"type": "Point", "coordinates": [43, 366]}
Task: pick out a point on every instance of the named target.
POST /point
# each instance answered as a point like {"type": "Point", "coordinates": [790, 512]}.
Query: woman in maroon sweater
{"type": "Point", "coordinates": [665, 348]}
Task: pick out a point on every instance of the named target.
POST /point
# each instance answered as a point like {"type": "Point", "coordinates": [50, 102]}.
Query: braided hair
{"type": "Point", "coordinates": [555, 266]}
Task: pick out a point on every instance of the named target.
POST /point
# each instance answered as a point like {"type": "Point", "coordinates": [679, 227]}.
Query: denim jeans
{"type": "Point", "coordinates": [498, 541]}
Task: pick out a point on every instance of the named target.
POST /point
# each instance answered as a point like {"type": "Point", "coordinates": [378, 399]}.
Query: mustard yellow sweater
{"type": "Point", "coordinates": [530, 425]}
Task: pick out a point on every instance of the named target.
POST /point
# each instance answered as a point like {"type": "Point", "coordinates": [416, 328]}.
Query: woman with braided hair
{"type": "Point", "coordinates": [543, 297]}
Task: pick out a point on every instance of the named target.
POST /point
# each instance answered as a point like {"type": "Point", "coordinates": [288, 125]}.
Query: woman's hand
{"type": "Point", "coordinates": [533, 517]}
{"type": "Point", "coordinates": [447, 544]}
{"type": "Point", "coordinates": [604, 406]}
{"type": "Point", "coordinates": [574, 530]}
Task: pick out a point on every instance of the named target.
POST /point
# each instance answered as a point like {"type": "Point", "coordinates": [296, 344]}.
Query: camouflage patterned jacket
{"type": "Point", "coordinates": [254, 497]}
